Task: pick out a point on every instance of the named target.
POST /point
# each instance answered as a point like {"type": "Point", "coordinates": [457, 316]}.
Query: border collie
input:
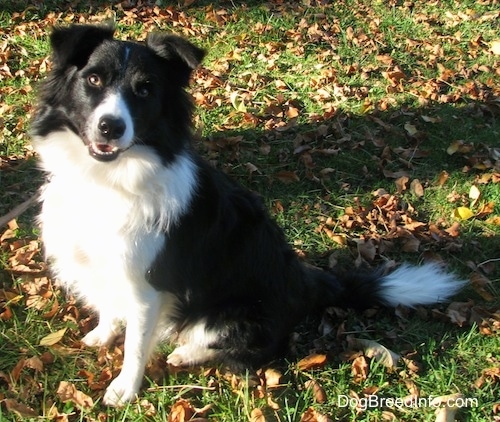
{"type": "Point", "coordinates": [137, 226]}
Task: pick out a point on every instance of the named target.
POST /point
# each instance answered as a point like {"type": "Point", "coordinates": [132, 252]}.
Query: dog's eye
{"type": "Point", "coordinates": [143, 90]}
{"type": "Point", "coordinates": [94, 80]}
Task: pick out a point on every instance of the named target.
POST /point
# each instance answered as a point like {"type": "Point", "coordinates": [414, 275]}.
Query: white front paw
{"type": "Point", "coordinates": [99, 336]}
{"type": "Point", "coordinates": [120, 391]}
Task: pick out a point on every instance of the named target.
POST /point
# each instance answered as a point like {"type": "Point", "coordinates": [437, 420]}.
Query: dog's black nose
{"type": "Point", "coordinates": [111, 127]}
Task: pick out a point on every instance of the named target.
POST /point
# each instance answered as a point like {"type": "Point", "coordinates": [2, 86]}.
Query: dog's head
{"type": "Point", "coordinates": [116, 94]}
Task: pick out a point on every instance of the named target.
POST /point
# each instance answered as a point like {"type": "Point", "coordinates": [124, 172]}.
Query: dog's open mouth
{"type": "Point", "coordinates": [103, 152]}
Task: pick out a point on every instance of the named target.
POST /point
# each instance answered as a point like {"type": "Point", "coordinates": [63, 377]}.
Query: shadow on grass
{"type": "Point", "coordinates": [44, 7]}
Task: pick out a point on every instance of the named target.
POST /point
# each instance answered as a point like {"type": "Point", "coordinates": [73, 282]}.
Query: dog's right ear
{"type": "Point", "coordinates": [73, 45]}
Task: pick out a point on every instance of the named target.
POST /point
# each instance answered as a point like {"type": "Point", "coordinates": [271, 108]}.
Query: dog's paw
{"type": "Point", "coordinates": [175, 359]}
{"type": "Point", "coordinates": [190, 355]}
{"type": "Point", "coordinates": [99, 336]}
{"type": "Point", "coordinates": [121, 391]}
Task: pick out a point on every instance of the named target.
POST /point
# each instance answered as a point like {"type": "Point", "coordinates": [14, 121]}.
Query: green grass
{"type": "Point", "coordinates": [280, 84]}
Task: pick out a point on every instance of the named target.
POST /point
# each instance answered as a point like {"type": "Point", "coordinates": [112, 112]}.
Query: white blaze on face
{"type": "Point", "coordinates": [113, 106]}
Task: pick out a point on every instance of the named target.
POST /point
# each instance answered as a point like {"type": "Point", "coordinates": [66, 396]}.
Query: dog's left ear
{"type": "Point", "coordinates": [180, 52]}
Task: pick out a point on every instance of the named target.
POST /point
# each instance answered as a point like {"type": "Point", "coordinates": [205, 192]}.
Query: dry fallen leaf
{"type": "Point", "coordinates": [482, 285]}
{"type": "Point", "coordinates": [273, 377]}
{"type": "Point", "coordinates": [359, 369]}
{"type": "Point", "coordinates": [20, 409]}
{"type": "Point", "coordinates": [459, 312]}
{"type": "Point", "coordinates": [313, 361]}
{"type": "Point", "coordinates": [67, 392]}
{"type": "Point", "coordinates": [442, 178]}
{"type": "Point", "coordinates": [256, 415]}
{"type": "Point", "coordinates": [375, 350]}
{"type": "Point", "coordinates": [181, 411]}
{"type": "Point", "coordinates": [416, 188]}
{"type": "Point", "coordinates": [53, 338]}
{"type": "Point", "coordinates": [459, 146]}
{"type": "Point", "coordinates": [318, 391]}
{"type": "Point", "coordinates": [312, 415]}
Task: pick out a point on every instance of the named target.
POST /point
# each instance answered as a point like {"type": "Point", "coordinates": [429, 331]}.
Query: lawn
{"type": "Point", "coordinates": [371, 130]}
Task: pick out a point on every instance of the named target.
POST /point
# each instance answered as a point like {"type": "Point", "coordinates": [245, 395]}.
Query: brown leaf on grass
{"type": "Point", "coordinates": [488, 320]}
{"type": "Point", "coordinates": [16, 371]}
{"type": "Point", "coordinates": [272, 377]}
{"type": "Point", "coordinates": [257, 415]}
{"type": "Point", "coordinates": [287, 177]}
{"type": "Point", "coordinates": [312, 415]}
{"type": "Point", "coordinates": [485, 209]}
{"type": "Point", "coordinates": [401, 183]}
{"type": "Point", "coordinates": [359, 369]}
{"type": "Point", "coordinates": [442, 178]}
{"type": "Point", "coordinates": [459, 312]}
{"type": "Point", "coordinates": [416, 188]}
{"type": "Point", "coordinates": [482, 285]}
{"type": "Point", "coordinates": [454, 229]}
{"type": "Point", "coordinates": [67, 392]}
{"type": "Point", "coordinates": [35, 363]}
{"type": "Point", "coordinates": [460, 147]}
{"type": "Point", "coordinates": [20, 409]}
{"type": "Point", "coordinates": [181, 411]}
{"type": "Point", "coordinates": [395, 174]}
{"type": "Point", "coordinates": [313, 361]}
{"type": "Point", "coordinates": [490, 375]}
{"type": "Point", "coordinates": [318, 391]}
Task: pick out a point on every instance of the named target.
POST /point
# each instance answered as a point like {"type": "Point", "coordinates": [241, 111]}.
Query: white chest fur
{"type": "Point", "coordinates": [103, 224]}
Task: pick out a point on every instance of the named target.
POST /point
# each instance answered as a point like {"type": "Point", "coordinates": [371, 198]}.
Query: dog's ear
{"type": "Point", "coordinates": [183, 55]}
{"type": "Point", "coordinates": [73, 45]}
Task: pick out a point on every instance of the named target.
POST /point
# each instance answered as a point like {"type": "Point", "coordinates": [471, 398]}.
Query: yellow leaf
{"type": "Point", "coordinates": [463, 213]}
{"type": "Point", "coordinates": [53, 338]}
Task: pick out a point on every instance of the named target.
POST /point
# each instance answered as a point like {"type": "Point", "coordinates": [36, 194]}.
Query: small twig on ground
{"type": "Point", "coordinates": [17, 211]}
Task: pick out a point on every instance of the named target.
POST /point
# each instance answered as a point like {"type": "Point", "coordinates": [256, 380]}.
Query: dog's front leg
{"type": "Point", "coordinates": [139, 339]}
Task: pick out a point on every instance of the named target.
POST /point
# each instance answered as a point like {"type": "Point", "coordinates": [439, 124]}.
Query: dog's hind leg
{"type": "Point", "coordinates": [195, 346]}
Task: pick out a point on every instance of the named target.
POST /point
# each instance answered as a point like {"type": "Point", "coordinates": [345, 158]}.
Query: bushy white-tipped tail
{"type": "Point", "coordinates": [423, 285]}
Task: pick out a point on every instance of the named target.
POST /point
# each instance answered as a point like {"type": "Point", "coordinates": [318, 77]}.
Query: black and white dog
{"type": "Point", "coordinates": [141, 229]}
